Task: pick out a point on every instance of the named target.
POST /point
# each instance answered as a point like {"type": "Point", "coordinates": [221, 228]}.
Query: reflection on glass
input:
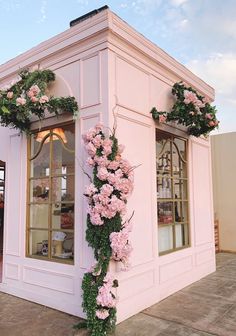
{"type": "Point", "coordinates": [39, 190]}
{"type": "Point", "coordinates": [63, 153]}
{"type": "Point", "coordinates": [39, 216]}
{"type": "Point", "coordinates": [38, 241]}
{"type": "Point", "coordinates": [165, 238]}
{"type": "Point", "coordinates": [62, 245]}
{"type": "Point", "coordinates": [165, 212]}
{"type": "Point", "coordinates": [63, 216]}
{"type": "Point", "coordinates": [181, 235]}
{"type": "Point", "coordinates": [40, 165]}
{"type": "Point", "coordinates": [172, 205]}
{"type": "Point", "coordinates": [63, 188]}
{"type": "Point", "coordinates": [180, 188]}
{"type": "Point", "coordinates": [164, 187]}
{"type": "Point", "coordinates": [51, 193]}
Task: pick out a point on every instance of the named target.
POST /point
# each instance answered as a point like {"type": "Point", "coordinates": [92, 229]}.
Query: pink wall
{"type": "Point", "coordinates": [111, 72]}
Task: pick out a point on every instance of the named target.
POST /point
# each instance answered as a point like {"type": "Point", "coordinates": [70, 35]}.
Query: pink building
{"type": "Point", "coordinates": [111, 70]}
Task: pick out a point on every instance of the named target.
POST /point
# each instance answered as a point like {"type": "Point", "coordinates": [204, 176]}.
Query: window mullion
{"type": "Point", "coordinates": [50, 198]}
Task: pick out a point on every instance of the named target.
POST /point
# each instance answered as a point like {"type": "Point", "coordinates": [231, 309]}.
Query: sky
{"type": "Point", "coordinates": [201, 34]}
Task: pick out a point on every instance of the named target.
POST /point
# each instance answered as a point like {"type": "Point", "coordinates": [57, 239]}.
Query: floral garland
{"type": "Point", "coordinates": [26, 96]}
{"type": "Point", "coordinates": [191, 110]}
{"type": "Point", "coordinates": [107, 233]}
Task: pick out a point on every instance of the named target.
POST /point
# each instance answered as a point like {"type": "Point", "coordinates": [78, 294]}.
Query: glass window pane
{"type": "Point", "coordinates": [63, 245]}
{"type": "Point", "coordinates": [165, 212]}
{"type": "Point", "coordinates": [180, 188]}
{"type": "Point", "coordinates": [51, 193]}
{"type": "Point", "coordinates": [179, 158]}
{"type": "Point", "coordinates": [163, 150]}
{"type": "Point", "coordinates": [40, 165]}
{"type": "Point", "coordinates": [39, 190]}
{"type": "Point", "coordinates": [63, 216]}
{"type": "Point", "coordinates": [164, 186]}
{"type": "Point", "coordinates": [38, 242]}
{"type": "Point", "coordinates": [63, 188]}
{"type": "Point", "coordinates": [63, 151]}
{"type": "Point", "coordinates": [39, 216]}
{"type": "Point", "coordinates": [165, 238]}
{"type": "Point", "coordinates": [181, 235]}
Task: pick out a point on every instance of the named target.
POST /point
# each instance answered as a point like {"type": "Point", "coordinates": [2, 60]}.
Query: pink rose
{"type": "Point", "coordinates": [190, 97]}
{"type": "Point", "coordinates": [211, 123]}
{"type": "Point", "coordinates": [20, 101]}
{"type": "Point", "coordinates": [191, 113]}
{"type": "Point", "coordinates": [208, 116]}
{"type": "Point", "coordinates": [34, 99]}
{"type": "Point", "coordinates": [33, 91]}
{"type": "Point", "coordinates": [10, 94]}
{"type": "Point", "coordinates": [43, 99]}
{"type": "Point", "coordinates": [162, 118]}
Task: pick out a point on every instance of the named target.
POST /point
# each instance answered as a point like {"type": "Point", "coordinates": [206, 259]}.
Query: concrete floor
{"type": "Point", "coordinates": [205, 308]}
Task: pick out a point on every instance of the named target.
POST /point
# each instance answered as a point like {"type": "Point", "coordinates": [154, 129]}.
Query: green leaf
{"type": "Point", "coordinates": [5, 110]}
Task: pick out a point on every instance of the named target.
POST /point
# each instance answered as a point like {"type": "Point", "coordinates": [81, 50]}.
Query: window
{"type": "Point", "coordinates": [172, 192]}
{"type": "Point", "coordinates": [50, 215]}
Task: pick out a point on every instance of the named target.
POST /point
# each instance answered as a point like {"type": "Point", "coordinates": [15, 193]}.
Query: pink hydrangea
{"type": "Point", "coordinates": [91, 149]}
{"type": "Point", "coordinates": [106, 189]}
{"type": "Point", "coordinates": [105, 297]}
{"type": "Point", "coordinates": [95, 219]}
{"type": "Point", "coordinates": [121, 247]}
{"type": "Point", "coordinates": [102, 173]}
{"type": "Point", "coordinates": [87, 137]}
{"type": "Point", "coordinates": [97, 141]}
{"type": "Point", "coordinates": [90, 190]}
{"type": "Point", "coordinates": [107, 147]}
{"type": "Point", "coordinates": [102, 161]}
{"type": "Point", "coordinates": [113, 165]}
{"type": "Point", "coordinates": [102, 314]}
{"type": "Point", "coordinates": [90, 162]}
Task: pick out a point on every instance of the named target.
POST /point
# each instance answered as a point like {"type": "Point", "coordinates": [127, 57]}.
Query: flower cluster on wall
{"type": "Point", "coordinates": [27, 96]}
{"type": "Point", "coordinates": [191, 110]}
{"type": "Point", "coordinates": [107, 231]}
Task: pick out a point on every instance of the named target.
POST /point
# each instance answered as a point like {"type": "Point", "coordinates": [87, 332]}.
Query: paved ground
{"type": "Point", "coordinates": [205, 308]}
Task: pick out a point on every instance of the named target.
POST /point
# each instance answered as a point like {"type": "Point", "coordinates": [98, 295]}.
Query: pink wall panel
{"type": "Point", "coordinates": [202, 193]}
{"type": "Point", "coordinates": [90, 81]}
{"type": "Point", "coordinates": [14, 207]}
{"type": "Point", "coordinates": [132, 86]}
{"type": "Point", "coordinates": [137, 138]}
{"type": "Point", "coordinates": [161, 96]}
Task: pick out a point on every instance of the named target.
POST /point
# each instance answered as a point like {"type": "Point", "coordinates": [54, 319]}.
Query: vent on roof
{"type": "Point", "coordinates": [88, 15]}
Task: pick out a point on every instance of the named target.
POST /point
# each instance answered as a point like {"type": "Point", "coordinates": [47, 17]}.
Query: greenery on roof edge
{"type": "Point", "coordinates": [27, 96]}
{"type": "Point", "coordinates": [191, 110]}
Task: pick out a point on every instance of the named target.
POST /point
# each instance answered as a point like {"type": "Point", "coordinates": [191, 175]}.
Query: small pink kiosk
{"type": "Point", "coordinates": [114, 73]}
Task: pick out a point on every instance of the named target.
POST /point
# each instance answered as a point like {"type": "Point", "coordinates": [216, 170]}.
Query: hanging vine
{"type": "Point", "coordinates": [27, 96]}
{"type": "Point", "coordinates": [107, 232]}
{"type": "Point", "coordinates": [191, 110]}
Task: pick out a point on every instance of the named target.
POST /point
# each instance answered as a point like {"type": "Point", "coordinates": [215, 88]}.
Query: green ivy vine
{"type": "Point", "coordinates": [27, 97]}
{"type": "Point", "coordinates": [191, 110]}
